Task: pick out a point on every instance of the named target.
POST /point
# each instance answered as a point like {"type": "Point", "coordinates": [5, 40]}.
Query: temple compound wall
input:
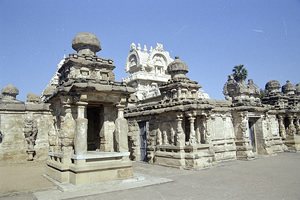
{"type": "Point", "coordinates": [93, 126]}
{"type": "Point", "coordinates": [24, 127]}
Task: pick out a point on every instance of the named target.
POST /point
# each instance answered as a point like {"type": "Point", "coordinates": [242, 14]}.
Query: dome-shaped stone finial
{"type": "Point", "coordinates": [177, 68]}
{"type": "Point", "coordinates": [273, 86]}
{"type": "Point", "coordinates": [48, 91]}
{"type": "Point", "coordinates": [9, 92]}
{"type": "Point", "coordinates": [288, 88]}
{"type": "Point", "coordinates": [86, 43]}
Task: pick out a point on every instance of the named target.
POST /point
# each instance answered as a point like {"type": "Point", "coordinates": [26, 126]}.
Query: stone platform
{"type": "Point", "coordinates": [94, 167]}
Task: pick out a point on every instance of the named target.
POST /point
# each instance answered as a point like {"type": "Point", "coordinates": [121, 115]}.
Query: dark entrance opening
{"type": "Point", "coordinates": [95, 122]}
{"type": "Point", "coordinates": [252, 135]}
{"type": "Point", "coordinates": [187, 129]}
{"type": "Point", "coordinates": [143, 141]}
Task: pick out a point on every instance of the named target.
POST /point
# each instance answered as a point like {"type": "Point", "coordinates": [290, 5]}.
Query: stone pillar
{"type": "Point", "coordinates": [180, 133]}
{"type": "Point", "coordinates": [281, 127]}
{"type": "Point", "coordinates": [179, 92]}
{"type": "Point", "coordinates": [159, 137]}
{"type": "Point", "coordinates": [174, 93]}
{"type": "Point", "coordinates": [121, 131]}
{"type": "Point", "coordinates": [80, 140]}
{"type": "Point", "coordinates": [192, 130]}
{"type": "Point", "coordinates": [207, 126]}
{"type": "Point", "coordinates": [291, 130]}
{"type": "Point", "coordinates": [67, 130]}
{"type": "Point", "coordinates": [198, 134]}
{"type": "Point", "coordinates": [297, 125]}
{"type": "Point", "coordinates": [108, 129]}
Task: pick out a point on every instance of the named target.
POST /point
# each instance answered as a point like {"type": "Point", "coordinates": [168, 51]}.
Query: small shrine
{"type": "Point", "coordinates": [173, 130]}
{"type": "Point", "coordinates": [90, 140]}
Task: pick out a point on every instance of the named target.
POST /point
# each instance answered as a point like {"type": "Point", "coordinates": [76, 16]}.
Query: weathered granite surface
{"type": "Point", "coordinates": [89, 144]}
{"type": "Point", "coordinates": [24, 127]}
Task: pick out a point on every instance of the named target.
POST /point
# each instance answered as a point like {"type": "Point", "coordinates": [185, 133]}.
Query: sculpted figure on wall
{"type": "Point", "coordinates": [282, 131]}
{"type": "Point", "coordinates": [244, 125]}
{"type": "Point", "coordinates": [180, 136]}
{"type": "Point", "coordinates": [159, 137]}
{"type": "Point", "coordinates": [297, 125]}
{"type": "Point", "coordinates": [30, 132]}
{"type": "Point", "coordinates": [291, 130]}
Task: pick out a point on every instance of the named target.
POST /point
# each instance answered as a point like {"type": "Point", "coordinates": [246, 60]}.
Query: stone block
{"type": "Point", "coordinates": [125, 173]}
{"type": "Point", "coordinates": [58, 175]}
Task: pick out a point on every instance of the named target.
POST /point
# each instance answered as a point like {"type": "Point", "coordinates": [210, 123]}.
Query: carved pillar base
{"type": "Point", "coordinates": [30, 154]}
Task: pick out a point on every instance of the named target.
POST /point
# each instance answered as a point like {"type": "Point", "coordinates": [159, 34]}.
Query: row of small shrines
{"type": "Point", "coordinates": [89, 126]}
{"type": "Point", "coordinates": [182, 132]}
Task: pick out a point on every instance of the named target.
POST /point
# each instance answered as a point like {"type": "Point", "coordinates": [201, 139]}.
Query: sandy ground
{"type": "Point", "coordinates": [22, 177]}
{"type": "Point", "coordinates": [273, 177]}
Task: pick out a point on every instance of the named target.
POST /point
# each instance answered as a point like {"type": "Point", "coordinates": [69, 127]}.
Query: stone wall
{"type": "Point", "coordinates": [17, 117]}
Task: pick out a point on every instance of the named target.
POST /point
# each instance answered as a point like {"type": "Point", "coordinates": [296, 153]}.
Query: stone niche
{"type": "Point", "coordinates": [90, 142]}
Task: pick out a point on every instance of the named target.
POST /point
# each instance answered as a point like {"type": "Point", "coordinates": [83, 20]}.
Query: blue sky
{"type": "Point", "coordinates": [211, 36]}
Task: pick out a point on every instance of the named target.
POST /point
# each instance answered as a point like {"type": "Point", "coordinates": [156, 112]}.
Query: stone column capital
{"type": "Point", "coordinates": [82, 103]}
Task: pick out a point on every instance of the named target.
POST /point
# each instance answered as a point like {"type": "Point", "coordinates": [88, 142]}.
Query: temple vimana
{"type": "Point", "coordinates": [89, 127]}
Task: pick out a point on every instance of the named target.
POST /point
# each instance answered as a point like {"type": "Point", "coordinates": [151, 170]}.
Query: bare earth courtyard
{"type": "Point", "coordinates": [273, 177]}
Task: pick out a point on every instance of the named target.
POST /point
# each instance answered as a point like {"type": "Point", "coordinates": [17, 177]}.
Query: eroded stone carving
{"type": "Point", "coordinates": [9, 93]}
{"type": "Point", "coordinates": [241, 93]}
{"type": "Point", "coordinates": [33, 98]}
{"type": "Point", "coordinates": [288, 88]}
{"type": "Point", "coordinates": [30, 132]}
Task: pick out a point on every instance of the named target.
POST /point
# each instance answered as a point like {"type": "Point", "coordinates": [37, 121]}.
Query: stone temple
{"type": "Point", "coordinates": [90, 127]}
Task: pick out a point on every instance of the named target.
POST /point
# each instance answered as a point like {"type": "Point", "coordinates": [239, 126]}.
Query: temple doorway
{"type": "Point", "coordinates": [252, 135]}
{"type": "Point", "coordinates": [143, 141]}
{"type": "Point", "coordinates": [95, 122]}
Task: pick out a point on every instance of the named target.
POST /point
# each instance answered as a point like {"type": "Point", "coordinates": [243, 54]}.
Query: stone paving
{"type": "Point", "coordinates": [274, 177]}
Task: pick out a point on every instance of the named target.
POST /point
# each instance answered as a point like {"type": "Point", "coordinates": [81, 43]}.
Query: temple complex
{"type": "Point", "coordinates": [90, 127]}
